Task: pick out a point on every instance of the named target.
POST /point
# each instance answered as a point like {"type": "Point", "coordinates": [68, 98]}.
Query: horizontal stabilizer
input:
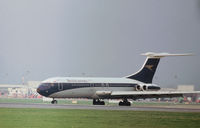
{"type": "Point", "coordinates": [160, 55]}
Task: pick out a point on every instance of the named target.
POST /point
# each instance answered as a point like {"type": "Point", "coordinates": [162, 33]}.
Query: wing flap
{"type": "Point", "coordinates": [142, 94]}
{"type": "Point", "coordinates": [150, 94]}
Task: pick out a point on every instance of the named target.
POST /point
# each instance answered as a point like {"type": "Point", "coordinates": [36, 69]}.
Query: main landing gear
{"type": "Point", "coordinates": [98, 102]}
{"type": "Point", "coordinates": [54, 101]}
{"type": "Point", "coordinates": [125, 102]}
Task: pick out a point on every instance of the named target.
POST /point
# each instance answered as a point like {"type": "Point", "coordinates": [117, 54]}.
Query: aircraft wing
{"type": "Point", "coordinates": [143, 94]}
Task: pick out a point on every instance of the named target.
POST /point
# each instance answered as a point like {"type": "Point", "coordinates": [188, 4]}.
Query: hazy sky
{"type": "Point", "coordinates": [103, 38]}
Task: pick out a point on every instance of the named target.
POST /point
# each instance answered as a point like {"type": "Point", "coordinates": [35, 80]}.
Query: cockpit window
{"type": "Point", "coordinates": [45, 86]}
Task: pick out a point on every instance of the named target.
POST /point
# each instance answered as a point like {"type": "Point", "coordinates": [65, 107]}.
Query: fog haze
{"type": "Point", "coordinates": [99, 38]}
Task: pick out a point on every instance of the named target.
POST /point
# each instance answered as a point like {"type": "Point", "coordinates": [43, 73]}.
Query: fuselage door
{"type": "Point", "coordinates": [60, 86]}
{"type": "Point", "coordinates": [105, 86]}
{"type": "Point", "coordinates": [92, 84]}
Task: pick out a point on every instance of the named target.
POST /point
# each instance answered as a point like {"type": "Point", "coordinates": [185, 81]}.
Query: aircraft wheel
{"type": "Point", "coordinates": [54, 102]}
{"type": "Point", "coordinates": [121, 103]}
{"type": "Point", "coordinates": [94, 102]}
{"type": "Point", "coordinates": [124, 103]}
{"type": "Point", "coordinates": [102, 103]}
{"type": "Point", "coordinates": [128, 104]}
{"type": "Point", "coordinates": [98, 102]}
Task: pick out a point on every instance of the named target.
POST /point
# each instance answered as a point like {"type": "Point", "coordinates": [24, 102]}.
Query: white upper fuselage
{"type": "Point", "coordinates": [90, 80]}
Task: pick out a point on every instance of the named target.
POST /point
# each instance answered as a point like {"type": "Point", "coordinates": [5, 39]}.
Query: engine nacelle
{"type": "Point", "coordinates": [139, 88]}
{"type": "Point", "coordinates": [147, 87]}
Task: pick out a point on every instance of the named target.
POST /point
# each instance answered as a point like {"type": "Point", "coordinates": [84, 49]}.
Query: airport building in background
{"type": "Point", "coordinates": [27, 90]}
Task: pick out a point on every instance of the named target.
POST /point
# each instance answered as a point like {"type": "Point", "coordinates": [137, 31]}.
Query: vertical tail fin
{"type": "Point", "coordinates": [146, 73]}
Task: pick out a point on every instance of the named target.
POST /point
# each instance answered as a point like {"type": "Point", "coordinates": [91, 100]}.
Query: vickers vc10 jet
{"type": "Point", "coordinates": [136, 86]}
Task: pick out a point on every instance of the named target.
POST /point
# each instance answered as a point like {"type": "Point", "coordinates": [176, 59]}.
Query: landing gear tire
{"type": "Point", "coordinates": [98, 102]}
{"type": "Point", "coordinates": [54, 102]}
{"type": "Point", "coordinates": [124, 103]}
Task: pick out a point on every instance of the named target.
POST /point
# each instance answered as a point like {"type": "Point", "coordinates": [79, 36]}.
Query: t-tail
{"type": "Point", "coordinates": [146, 73]}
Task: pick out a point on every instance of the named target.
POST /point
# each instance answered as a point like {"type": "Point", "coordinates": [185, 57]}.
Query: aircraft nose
{"type": "Point", "coordinates": [38, 90]}
{"type": "Point", "coordinates": [43, 89]}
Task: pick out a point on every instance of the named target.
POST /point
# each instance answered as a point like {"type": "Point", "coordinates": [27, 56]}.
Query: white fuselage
{"type": "Point", "coordinates": [90, 86]}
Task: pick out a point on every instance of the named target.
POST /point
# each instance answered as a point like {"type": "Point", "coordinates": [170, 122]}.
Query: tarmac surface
{"type": "Point", "coordinates": [99, 107]}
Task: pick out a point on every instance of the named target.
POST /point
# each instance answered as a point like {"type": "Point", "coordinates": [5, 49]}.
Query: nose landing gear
{"type": "Point", "coordinates": [54, 101]}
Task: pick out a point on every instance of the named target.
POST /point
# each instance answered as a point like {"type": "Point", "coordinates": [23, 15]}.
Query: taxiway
{"type": "Point", "coordinates": [98, 107]}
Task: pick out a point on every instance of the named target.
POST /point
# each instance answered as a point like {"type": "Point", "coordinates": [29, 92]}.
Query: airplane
{"type": "Point", "coordinates": [135, 86]}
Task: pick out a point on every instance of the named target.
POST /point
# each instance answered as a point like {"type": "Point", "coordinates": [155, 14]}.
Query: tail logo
{"type": "Point", "coordinates": [150, 67]}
